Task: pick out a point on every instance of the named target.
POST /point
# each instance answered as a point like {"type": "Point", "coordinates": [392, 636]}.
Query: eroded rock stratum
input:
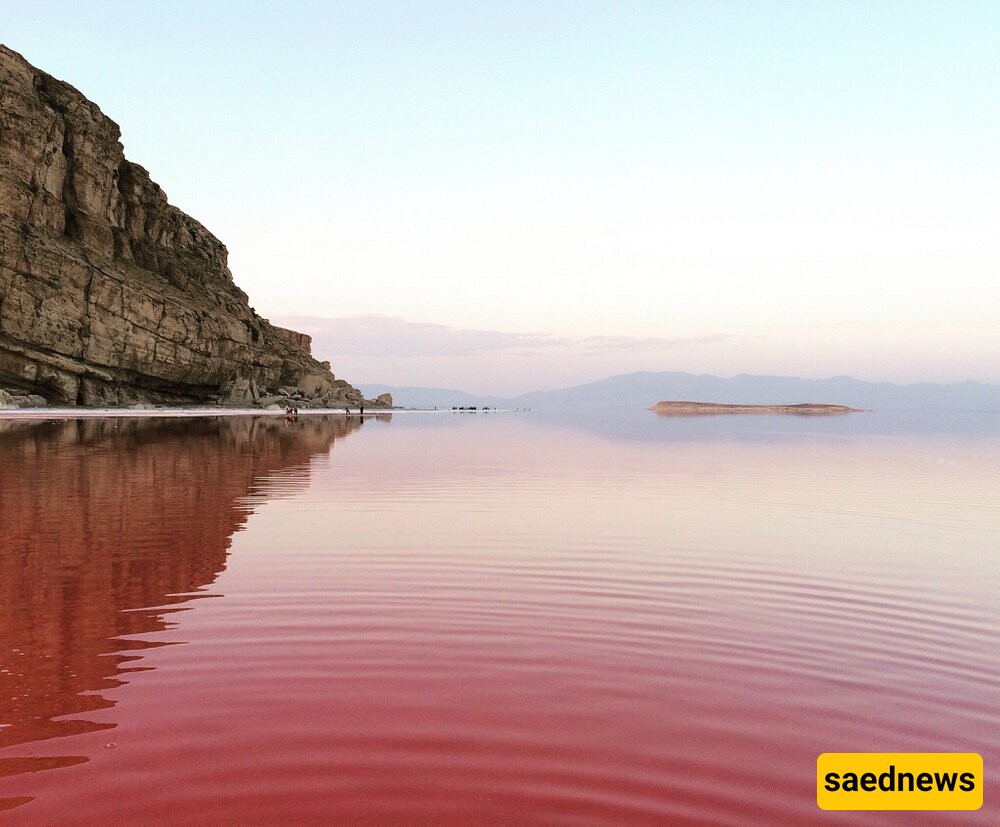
{"type": "Point", "coordinates": [108, 294]}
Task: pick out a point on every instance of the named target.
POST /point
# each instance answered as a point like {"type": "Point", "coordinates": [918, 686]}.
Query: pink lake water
{"type": "Point", "coordinates": [434, 619]}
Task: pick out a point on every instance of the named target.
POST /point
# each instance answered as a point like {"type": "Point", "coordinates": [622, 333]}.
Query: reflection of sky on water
{"type": "Point", "coordinates": [426, 607]}
{"type": "Point", "coordinates": [801, 592]}
{"type": "Point", "coordinates": [646, 426]}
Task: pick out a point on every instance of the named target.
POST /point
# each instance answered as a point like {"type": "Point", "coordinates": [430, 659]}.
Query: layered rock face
{"type": "Point", "coordinates": [108, 294]}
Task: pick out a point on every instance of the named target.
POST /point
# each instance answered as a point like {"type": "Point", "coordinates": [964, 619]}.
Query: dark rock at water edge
{"type": "Point", "coordinates": [14, 399]}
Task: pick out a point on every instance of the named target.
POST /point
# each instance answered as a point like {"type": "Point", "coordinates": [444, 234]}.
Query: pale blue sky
{"type": "Point", "coordinates": [567, 190]}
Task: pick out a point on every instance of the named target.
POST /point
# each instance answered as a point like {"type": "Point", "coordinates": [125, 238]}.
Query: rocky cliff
{"type": "Point", "coordinates": [108, 294]}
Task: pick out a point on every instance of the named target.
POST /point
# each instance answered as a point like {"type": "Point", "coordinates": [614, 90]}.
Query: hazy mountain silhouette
{"type": "Point", "coordinates": [417, 397]}
{"type": "Point", "coordinates": [645, 388]}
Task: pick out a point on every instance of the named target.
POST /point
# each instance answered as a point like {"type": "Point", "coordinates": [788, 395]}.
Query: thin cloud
{"type": "Point", "coordinates": [390, 336]}
{"type": "Point", "coordinates": [614, 344]}
{"type": "Point", "coordinates": [374, 335]}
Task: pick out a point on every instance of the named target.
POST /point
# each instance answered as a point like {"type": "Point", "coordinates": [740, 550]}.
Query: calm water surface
{"type": "Point", "coordinates": [487, 619]}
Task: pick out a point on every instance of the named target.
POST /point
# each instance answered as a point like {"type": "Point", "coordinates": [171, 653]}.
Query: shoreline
{"type": "Point", "coordinates": [174, 413]}
{"type": "Point", "coordinates": [189, 413]}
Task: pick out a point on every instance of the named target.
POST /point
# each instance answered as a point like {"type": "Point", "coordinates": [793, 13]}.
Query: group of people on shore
{"type": "Point", "coordinates": [292, 414]}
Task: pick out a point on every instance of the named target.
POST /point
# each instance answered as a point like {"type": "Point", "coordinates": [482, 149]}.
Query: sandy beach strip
{"type": "Point", "coordinates": [173, 413]}
{"type": "Point", "coordinates": [182, 413]}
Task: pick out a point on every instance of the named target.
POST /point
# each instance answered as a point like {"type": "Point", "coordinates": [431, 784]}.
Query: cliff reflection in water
{"type": "Point", "coordinates": [107, 526]}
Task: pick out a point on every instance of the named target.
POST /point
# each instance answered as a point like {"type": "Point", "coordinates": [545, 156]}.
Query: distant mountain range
{"type": "Point", "coordinates": [407, 397]}
{"type": "Point", "coordinates": [643, 389]}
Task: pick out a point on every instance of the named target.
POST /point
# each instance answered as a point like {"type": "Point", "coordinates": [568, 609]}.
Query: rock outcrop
{"type": "Point", "coordinates": [715, 408]}
{"type": "Point", "coordinates": [108, 294]}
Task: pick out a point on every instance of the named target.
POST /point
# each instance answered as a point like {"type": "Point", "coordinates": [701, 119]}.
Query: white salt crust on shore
{"type": "Point", "coordinates": [180, 413]}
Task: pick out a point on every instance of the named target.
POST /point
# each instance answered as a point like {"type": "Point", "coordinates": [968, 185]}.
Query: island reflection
{"type": "Point", "coordinates": [108, 525]}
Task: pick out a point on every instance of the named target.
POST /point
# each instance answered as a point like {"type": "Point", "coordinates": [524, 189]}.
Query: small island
{"type": "Point", "coordinates": [703, 408]}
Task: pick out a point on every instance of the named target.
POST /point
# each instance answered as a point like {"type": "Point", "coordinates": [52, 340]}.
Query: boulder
{"type": "Point", "coordinates": [315, 384]}
{"type": "Point", "coordinates": [268, 401]}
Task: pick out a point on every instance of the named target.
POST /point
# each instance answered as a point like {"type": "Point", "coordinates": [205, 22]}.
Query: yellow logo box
{"type": "Point", "coordinates": [899, 781]}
